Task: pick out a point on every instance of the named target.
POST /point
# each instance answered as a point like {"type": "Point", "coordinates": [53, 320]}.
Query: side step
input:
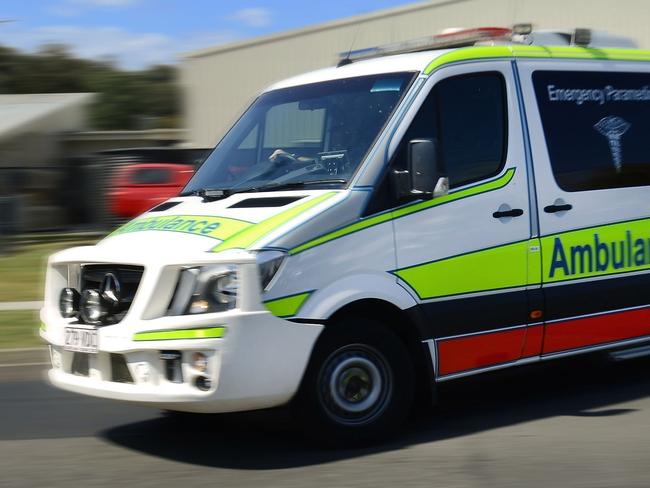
{"type": "Point", "coordinates": [625, 354]}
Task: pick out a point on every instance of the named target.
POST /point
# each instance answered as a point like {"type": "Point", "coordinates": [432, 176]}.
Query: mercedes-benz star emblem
{"type": "Point", "coordinates": [110, 287]}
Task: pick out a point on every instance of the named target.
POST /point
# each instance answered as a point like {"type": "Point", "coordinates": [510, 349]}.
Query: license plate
{"type": "Point", "coordinates": [80, 340]}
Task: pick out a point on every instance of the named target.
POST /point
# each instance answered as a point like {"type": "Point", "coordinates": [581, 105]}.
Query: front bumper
{"type": "Point", "coordinates": [257, 363]}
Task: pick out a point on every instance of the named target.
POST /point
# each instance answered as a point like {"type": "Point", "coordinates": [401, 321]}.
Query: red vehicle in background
{"type": "Point", "coordinates": [138, 187]}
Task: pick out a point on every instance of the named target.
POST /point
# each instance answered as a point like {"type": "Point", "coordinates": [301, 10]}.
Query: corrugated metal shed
{"type": "Point", "coordinates": [42, 112]}
{"type": "Point", "coordinates": [219, 82]}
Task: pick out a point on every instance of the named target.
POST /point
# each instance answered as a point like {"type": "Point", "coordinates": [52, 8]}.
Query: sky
{"type": "Point", "coordinates": [139, 33]}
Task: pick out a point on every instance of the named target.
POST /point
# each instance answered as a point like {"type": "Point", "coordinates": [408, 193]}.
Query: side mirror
{"type": "Point", "coordinates": [421, 179]}
{"type": "Point", "coordinates": [423, 166]}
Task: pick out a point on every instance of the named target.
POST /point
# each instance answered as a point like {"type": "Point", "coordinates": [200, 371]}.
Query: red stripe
{"type": "Point", "coordinates": [479, 351]}
{"type": "Point", "coordinates": [492, 348]}
{"type": "Point", "coordinates": [534, 340]}
{"type": "Point", "coordinates": [589, 331]}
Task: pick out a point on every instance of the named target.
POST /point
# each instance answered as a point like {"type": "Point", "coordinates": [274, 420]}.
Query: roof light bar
{"type": "Point", "coordinates": [457, 38]}
{"type": "Point", "coordinates": [519, 34]}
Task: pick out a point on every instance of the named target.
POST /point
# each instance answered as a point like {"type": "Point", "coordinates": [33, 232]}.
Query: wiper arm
{"type": "Point", "coordinates": [212, 194]}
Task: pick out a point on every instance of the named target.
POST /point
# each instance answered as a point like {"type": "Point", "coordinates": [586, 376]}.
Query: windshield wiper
{"type": "Point", "coordinates": [212, 194]}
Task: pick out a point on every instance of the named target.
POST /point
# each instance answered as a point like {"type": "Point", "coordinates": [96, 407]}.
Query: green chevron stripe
{"type": "Point", "coordinates": [408, 210]}
{"type": "Point", "coordinates": [287, 306]}
{"type": "Point", "coordinates": [254, 233]}
{"type": "Point", "coordinates": [495, 268]}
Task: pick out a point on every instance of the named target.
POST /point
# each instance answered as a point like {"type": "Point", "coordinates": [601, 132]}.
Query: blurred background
{"type": "Point", "coordinates": [108, 106]}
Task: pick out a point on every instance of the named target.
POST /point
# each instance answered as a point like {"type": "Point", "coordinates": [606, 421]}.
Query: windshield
{"type": "Point", "coordinates": [313, 134]}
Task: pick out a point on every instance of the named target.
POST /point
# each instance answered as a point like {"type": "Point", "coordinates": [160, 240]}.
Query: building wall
{"type": "Point", "coordinates": [84, 143]}
{"type": "Point", "coordinates": [220, 82]}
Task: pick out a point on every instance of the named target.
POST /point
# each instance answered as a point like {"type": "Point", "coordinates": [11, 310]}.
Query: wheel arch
{"type": "Point", "coordinates": [409, 325]}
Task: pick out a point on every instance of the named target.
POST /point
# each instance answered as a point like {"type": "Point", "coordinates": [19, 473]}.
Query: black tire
{"type": "Point", "coordinates": [358, 386]}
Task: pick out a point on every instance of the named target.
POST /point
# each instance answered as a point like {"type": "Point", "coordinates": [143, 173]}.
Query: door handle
{"type": "Point", "coordinates": [514, 212]}
{"type": "Point", "coordinates": [558, 208]}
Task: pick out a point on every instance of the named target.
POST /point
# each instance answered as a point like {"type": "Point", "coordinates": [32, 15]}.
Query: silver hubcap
{"type": "Point", "coordinates": [355, 384]}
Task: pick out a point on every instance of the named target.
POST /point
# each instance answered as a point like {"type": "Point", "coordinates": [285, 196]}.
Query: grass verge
{"type": "Point", "coordinates": [19, 329]}
{"type": "Point", "coordinates": [22, 273]}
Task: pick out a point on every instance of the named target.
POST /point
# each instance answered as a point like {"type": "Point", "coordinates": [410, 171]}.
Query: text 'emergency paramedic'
{"type": "Point", "coordinates": [598, 95]}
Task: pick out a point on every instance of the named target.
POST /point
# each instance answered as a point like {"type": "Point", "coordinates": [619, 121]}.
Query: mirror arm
{"type": "Point", "coordinates": [442, 187]}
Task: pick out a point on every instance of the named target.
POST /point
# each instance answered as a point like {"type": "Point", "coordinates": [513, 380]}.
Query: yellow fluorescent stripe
{"type": "Point", "coordinates": [534, 262]}
{"type": "Point", "coordinates": [489, 269]}
{"type": "Point", "coordinates": [516, 51]}
{"type": "Point", "coordinates": [407, 210]}
{"type": "Point", "coordinates": [597, 251]}
{"type": "Point", "coordinates": [287, 306]}
{"type": "Point", "coordinates": [203, 225]}
{"type": "Point", "coordinates": [254, 233]}
{"type": "Point", "coordinates": [166, 335]}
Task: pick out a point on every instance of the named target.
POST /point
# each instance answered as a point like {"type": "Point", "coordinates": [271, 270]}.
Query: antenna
{"type": "Point", "coordinates": [346, 59]}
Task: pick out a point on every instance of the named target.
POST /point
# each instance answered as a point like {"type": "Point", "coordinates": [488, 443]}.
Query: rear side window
{"type": "Point", "coordinates": [596, 127]}
{"type": "Point", "coordinates": [151, 176]}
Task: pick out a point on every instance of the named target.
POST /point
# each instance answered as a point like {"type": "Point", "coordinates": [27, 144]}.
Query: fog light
{"type": "Point", "coordinates": [91, 307]}
{"type": "Point", "coordinates": [199, 306]}
{"type": "Point", "coordinates": [69, 303]}
{"type": "Point", "coordinates": [203, 383]}
{"type": "Point", "coordinates": [199, 362]}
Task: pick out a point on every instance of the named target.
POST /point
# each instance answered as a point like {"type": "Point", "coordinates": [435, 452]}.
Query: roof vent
{"type": "Point", "coordinates": [164, 206]}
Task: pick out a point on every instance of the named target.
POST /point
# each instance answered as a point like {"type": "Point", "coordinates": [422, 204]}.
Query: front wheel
{"type": "Point", "coordinates": [358, 385]}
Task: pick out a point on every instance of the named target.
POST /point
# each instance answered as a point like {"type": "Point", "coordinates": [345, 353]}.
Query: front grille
{"type": "Point", "coordinates": [92, 276]}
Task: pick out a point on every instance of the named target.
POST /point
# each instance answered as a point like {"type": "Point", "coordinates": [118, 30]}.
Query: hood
{"type": "Point", "coordinates": [241, 221]}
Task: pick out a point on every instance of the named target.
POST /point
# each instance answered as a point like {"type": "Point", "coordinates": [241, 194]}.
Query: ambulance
{"type": "Point", "coordinates": [421, 212]}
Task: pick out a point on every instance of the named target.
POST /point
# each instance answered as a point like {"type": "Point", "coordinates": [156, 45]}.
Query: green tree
{"type": "Point", "coordinates": [126, 99]}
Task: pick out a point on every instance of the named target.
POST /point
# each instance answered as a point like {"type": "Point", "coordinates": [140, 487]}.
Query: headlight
{"type": "Point", "coordinates": [205, 290]}
{"type": "Point", "coordinates": [92, 308]}
{"type": "Point", "coordinates": [223, 289]}
{"type": "Point", "coordinates": [269, 263]}
{"type": "Point", "coordinates": [69, 303]}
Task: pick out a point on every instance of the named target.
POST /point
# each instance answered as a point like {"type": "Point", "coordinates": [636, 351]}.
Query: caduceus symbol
{"type": "Point", "coordinates": [613, 128]}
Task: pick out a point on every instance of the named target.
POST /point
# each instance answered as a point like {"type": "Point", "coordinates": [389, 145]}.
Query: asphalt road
{"type": "Point", "coordinates": [579, 423]}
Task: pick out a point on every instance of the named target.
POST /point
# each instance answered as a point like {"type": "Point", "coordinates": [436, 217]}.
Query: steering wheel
{"type": "Point", "coordinates": [280, 156]}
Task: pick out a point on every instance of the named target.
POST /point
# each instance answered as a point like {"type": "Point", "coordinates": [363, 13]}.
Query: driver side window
{"type": "Point", "coordinates": [466, 114]}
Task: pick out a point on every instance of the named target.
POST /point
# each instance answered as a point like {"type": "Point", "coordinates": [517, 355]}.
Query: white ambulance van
{"type": "Point", "coordinates": [419, 213]}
